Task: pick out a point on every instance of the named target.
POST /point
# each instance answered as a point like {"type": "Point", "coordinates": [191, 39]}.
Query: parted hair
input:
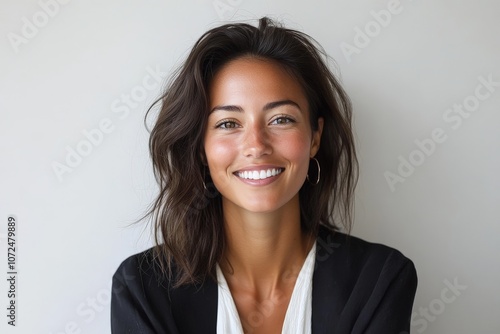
{"type": "Point", "coordinates": [187, 214]}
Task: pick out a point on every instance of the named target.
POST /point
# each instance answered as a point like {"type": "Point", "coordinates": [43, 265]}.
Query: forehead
{"type": "Point", "coordinates": [250, 79]}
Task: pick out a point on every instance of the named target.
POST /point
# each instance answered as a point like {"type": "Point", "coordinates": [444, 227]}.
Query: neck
{"type": "Point", "coordinates": [264, 250]}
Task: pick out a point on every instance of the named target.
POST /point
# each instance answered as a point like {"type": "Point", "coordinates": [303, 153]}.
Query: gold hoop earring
{"type": "Point", "coordinates": [319, 173]}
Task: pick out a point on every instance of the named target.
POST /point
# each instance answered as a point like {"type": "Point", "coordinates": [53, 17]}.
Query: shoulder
{"type": "Point", "coordinates": [140, 297]}
{"type": "Point", "coordinates": [140, 268]}
{"type": "Point", "coordinates": [143, 278]}
{"type": "Point", "coordinates": [144, 299]}
{"type": "Point", "coordinates": [353, 266]}
{"type": "Point", "coordinates": [360, 284]}
{"type": "Point", "coordinates": [355, 254]}
{"type": "Point", "coordinates": [139, 278]}
{"type": "Point", "coordinates": [143, 261]}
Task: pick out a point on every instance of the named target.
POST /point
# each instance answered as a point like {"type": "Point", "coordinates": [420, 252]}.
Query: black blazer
{"type": "Point", "coordinates": [358, 287]}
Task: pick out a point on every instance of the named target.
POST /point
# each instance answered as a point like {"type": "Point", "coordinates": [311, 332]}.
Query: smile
{"type": "Point", "coordinates": [259, 175]}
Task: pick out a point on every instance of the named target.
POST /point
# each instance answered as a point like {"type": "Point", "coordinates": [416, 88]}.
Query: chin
{"type": "Point", "coordinates": [263, 205]}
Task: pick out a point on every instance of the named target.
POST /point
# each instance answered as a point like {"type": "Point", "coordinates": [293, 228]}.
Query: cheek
{"type": "Point", "coordinates": [219, 152]}
{"type": "Point", "coordinates": [297, 148]}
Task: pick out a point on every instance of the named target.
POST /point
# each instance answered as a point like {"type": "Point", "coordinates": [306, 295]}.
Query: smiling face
{"type": "Point", "coordinates": [258, 140]}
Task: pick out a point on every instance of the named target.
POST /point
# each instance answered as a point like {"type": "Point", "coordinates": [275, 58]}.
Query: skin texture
{"type": "Point", "coordinates": [260, 120]}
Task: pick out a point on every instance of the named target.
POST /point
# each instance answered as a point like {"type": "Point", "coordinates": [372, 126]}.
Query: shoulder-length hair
{"type": "Point", "coordinates": [187, 214]}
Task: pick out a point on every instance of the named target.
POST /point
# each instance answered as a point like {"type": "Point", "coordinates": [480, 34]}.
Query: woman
{"type": "Point", "coordinates": [253, 151]}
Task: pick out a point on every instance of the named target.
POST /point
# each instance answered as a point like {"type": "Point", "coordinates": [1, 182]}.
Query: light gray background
{"type": "Point", "coordinates": [70, 74]}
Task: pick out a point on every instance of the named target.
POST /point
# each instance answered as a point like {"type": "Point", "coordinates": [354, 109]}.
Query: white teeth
{"type": "Point", "coordinates": [260, 175]}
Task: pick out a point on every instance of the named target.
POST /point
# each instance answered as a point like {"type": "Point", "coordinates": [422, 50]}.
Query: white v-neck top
{"type": "Point", "coordinates": [298, 313]}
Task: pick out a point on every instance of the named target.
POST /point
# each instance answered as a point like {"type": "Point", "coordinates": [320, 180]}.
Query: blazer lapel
{"type": "Point", "coordinates": [325, 297]}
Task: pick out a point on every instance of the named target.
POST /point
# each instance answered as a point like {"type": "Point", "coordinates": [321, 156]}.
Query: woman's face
{"type": "Point", "coordinates": [258, 140]}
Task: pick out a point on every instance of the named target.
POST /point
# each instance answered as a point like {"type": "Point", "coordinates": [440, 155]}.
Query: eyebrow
{"type": "Point", "coordinates": [268, 106]}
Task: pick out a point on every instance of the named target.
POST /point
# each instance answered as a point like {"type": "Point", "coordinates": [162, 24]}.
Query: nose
{"type": "Point", "coordinates": [256, 142]}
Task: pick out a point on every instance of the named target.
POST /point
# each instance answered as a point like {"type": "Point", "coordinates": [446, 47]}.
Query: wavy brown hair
{"type": "Point", "coordinates": [187, 214]}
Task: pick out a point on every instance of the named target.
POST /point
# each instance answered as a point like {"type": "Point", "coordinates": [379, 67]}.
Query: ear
{"type": "Point", "coordinates": [316, 137]}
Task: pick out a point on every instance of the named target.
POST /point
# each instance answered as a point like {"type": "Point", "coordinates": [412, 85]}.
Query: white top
{"type": "Point", "coordinates": [298, 313]}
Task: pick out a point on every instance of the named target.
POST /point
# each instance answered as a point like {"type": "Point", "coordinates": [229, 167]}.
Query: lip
{"type": "Point", "coordinates": [260, 182]}
{"type": "Point", "coordinates": [259, 168]}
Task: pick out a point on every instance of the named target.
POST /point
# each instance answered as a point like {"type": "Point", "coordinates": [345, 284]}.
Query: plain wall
{"type": "Point", "coordinates": [426, 122]}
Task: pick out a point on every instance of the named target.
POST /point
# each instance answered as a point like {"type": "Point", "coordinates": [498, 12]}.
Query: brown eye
{"type": "Point", "coordinates": [226, 125]}
{"type": "Point", "coordinates": [283, 120]}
